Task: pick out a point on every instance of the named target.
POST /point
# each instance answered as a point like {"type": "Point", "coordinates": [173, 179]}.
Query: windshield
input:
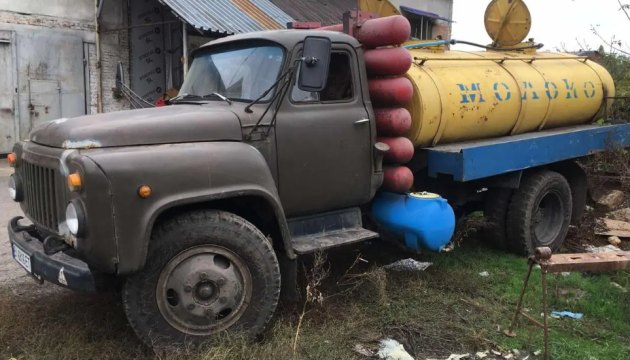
{"type": "Point", "coordinates": [238, 74]}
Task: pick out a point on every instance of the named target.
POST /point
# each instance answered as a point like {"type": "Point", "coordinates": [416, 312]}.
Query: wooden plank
{"type": "Point", "coordinates": [614, 228]}
{"type": "Point", "coordinates": [587, 262]}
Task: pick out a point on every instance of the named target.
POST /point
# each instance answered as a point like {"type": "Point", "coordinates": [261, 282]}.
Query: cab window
{"type": "Point", "coordinates": [339, 86]}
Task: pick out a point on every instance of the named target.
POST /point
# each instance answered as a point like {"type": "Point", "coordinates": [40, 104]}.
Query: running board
{"type": "Point", "coordinates": [312, 243]}
{"type": "Point", "coordinates": [328, 230]}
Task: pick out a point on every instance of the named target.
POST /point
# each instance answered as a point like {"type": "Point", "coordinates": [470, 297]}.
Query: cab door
{"type": "Point", "coordinates": [324, 141]}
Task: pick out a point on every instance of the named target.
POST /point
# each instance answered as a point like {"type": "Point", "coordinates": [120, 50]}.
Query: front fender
{"type": "Point", "coordinates": [179, 174]}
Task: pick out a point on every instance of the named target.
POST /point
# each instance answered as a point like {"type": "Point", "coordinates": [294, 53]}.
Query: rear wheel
{"type": "Point", "coordinates": [540, 213]}
{"type": "Point", "coordinates": [207, 271]}
{"type": "Point", "coordinates": [496, 205]}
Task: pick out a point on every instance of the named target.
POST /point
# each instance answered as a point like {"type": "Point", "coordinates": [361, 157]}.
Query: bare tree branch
{"type": "Point", "coordinates": [624, 7]}
{"type": "Point", "coordinates": [607, 43]}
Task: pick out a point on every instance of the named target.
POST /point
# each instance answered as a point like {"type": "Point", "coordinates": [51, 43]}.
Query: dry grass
{"type": "Point", "coordinates": [447, 309]}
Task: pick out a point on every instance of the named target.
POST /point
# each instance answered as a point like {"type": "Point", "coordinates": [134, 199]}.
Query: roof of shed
{"type": "Point", "coordinates": [229, 16]}
{"type": "Point", "coordinates": [326, 12]}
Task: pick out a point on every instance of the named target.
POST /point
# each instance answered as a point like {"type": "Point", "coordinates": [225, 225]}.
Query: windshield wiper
{"type": "Point", "coordinates": [198, 97]}
{"type": "Point", "coordinates": [182, 97]}
{"type": "Point", "coordinates": [219, 96]}
{"type": "Point", "coordinates": [264, 94]}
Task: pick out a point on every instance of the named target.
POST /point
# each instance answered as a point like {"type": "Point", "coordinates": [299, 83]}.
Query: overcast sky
{"type": "Point", "coordinates": [554, 22]}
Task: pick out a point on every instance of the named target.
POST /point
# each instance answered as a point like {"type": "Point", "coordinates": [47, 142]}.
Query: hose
{"type": "Point", "coordinates": [454, 42]}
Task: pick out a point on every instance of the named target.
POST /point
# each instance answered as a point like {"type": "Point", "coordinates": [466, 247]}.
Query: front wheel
{"type": "Point", "coordinates": [540, 213]}
{"type": "Point", "coordinates": [206, 271]}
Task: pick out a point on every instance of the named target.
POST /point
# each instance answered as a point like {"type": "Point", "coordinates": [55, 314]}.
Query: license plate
{"type": "Point", "coordinates": [22, 258]}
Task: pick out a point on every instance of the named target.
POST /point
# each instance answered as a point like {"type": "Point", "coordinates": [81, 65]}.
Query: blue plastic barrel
{"type": "Point", "coordinates": [423, 220]}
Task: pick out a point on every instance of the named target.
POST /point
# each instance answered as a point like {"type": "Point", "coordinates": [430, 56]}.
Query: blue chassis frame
{"type": "Point", "coordinates": [475, 160]}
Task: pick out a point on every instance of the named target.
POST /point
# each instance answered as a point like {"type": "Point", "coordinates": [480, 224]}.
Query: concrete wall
{"type": "Point", "coordinates": [70, 9]}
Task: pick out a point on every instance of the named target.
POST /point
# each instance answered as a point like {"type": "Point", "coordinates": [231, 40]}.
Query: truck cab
{"type": "Point", "coordinates": [268, 152]}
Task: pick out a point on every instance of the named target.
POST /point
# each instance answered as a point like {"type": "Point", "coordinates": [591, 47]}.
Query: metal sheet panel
{"type": "Point", "coordinates": [45, 96]}
{"type": "Point", "coordinates": [273, 11]}
{"type": "Point", "coordinates": [147, 63]}
{"type": "Point", "coordinates": [46, 58]}
{"type": "Point", "coordinates": [326, 12]}
{"type": "Point", "coordinates": [229, 16]}
{"type": "Point", "coordinates": [7, 109]}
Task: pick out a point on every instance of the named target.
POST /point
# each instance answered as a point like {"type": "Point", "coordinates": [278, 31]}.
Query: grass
{"type": "Point", "coordinates": [447, 309]}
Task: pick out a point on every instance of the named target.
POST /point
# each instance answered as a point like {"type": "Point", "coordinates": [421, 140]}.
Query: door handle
{"type": "Point", "coordinates": [362, 121]}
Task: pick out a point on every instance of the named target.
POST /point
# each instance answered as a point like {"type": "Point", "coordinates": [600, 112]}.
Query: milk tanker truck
{"type": "Point", "coordinates": [285, 143]}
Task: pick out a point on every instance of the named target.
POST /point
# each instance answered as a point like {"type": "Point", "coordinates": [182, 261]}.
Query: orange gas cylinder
{"type": "Point", "coordinates": [387, 61]}
{"type": "Point", "coordinates": [398, 179]}
{"type": "Point", "coordinates": [400, 149]}
{"type": "Point", "coordinates": [390, 91]}
{"type": "Point", "coordinates": [392, 121]}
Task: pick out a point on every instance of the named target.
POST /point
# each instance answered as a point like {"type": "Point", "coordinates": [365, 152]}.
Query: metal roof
{"type": "Point", "coordinates": [325, 11]}
{"type": "Point", "coordinates": [424, 13]}
{"type": "Point", "coordinates": [229, 16]}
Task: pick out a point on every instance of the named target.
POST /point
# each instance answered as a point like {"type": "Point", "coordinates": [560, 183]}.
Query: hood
{"type": "Point", "coordinates": [161, 125]}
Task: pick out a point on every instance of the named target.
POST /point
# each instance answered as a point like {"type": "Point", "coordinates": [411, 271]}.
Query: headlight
{"type": "Point", "coordinates": [15, 187]}
{"type": "Point", "coordinates": [75, 218]}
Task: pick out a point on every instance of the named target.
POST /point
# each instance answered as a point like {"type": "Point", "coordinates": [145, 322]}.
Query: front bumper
{"type": "Point", "coordinates": [60, 268]}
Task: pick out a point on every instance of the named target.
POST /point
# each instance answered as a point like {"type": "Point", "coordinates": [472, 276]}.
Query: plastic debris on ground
{"type": "Point", "coordinates": [458, 357]}
{"type": "Point", "coordinates": [567, 314]}
{"type": "Point", "coordinates": [614, 240]}
{"type": "Point", "coordinates": [408, 265]}
{"type": "Point", "coordinates": [393, 350]}
{"type": "Point", "coordinates": [481, 355]}
{"type": "Point", "coordinates": [358, 348]}
{"type": "Point", "coordinates": [601, 249]}
{"type": "Point", "coordinates": [619, 287]}
{"type": "Point", "coordinates": [566, 273]}
{"type": "Point", "coordinates": [484, 274]}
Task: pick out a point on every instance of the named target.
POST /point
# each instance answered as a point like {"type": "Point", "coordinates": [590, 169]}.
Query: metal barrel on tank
{"type": "Point", "coordinates": [461, 96]}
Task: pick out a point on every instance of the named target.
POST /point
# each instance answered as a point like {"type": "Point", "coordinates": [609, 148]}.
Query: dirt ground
{"type": "Point", "coordinates": [10, 271]}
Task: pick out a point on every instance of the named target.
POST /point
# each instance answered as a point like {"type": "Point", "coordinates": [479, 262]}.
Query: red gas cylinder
{"type": "Point", "coordinates": [400, 150]}
{"type": "Point", "coordinates": [387, 61]}
{"type": "Point", "coordinates": [391, 91]}
{"type": "Point", "coordinates": [397, 179]}
{"type": "Point", "coordinates": [391, 30]}
{"type": "Point", "coordinates": [392, 121]}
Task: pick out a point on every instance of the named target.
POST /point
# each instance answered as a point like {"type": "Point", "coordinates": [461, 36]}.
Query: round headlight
{"type": "Point", "coordinates": [75, 219]}
{"type": "Point", "coordinates": [15, 188]}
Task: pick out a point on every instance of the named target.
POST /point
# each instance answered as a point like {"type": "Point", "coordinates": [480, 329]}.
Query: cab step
{"type": "Point", "coordinates": [328, 230]}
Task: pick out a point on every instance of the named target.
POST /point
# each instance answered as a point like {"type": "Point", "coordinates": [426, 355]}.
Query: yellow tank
{"type": "Point", "coordinates": [461, 96]}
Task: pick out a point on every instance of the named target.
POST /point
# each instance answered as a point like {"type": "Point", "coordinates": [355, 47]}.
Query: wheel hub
{"type": "Point", "coordinates": [203, 290]}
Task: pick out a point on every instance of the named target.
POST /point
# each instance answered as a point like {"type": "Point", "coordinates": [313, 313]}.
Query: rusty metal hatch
{"type": "Point", "coordinates": [45, 101]}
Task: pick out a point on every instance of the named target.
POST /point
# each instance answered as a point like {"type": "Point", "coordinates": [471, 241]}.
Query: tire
{"type": "Point", "coordinates": [539, 213]}
{"type": "Point", "coordinates": [206, 271]}
{"type": "Point", "coordinates": [496, 205]}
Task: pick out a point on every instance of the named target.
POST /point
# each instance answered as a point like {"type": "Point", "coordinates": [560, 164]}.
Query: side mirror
{"type": "Point", "coordinates": [120, 76]}
{"type": "Point", "coordinates": [315, 61]}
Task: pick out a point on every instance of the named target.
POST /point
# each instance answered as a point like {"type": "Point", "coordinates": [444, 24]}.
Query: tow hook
{"type": "Point", "coordinates": [54, 244]}
{"type": "Point", "coordinates": [16, 227]}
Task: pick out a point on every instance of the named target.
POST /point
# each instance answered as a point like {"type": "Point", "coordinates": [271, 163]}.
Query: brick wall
{"type": "Point", "coordinates": [45, 21]}
{"type": "Point", "coordinates": [114, 48]}
{"type": "Point", "coordinates": [443, 30]}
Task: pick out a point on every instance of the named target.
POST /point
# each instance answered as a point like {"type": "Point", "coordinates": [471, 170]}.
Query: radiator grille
{"type": "Point", "coordinates": [39, 195]}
